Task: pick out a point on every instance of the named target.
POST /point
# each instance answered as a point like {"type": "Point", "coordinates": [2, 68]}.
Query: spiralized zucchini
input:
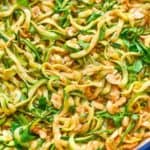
{"type": "Point", "coordinates": [74, 74]}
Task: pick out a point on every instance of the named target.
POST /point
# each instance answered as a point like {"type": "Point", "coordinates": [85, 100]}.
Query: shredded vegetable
{"type": "Point", "coordinates": [74, 74]}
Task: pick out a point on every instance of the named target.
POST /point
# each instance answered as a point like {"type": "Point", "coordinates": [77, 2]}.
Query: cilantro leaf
{"type": "Point", "coordinates": [138, 46]}
{"type": "Point", "coordinates": [131, 39]}
{"type": "Point", "coordinates": [19, 120]}
{"type": "Point", "coordinates": [64, 20]}
{"type": "Point", "coordinates": [117, 118]}
{"type": "Point", "coordinates": [58, 3]}
{"type": "Point", "coordinates": [132, 77]}
{"type": "Point", "coordinates": [26, 135]}
{"type": "Point", "coordinates": [136, 67]}
{"type": "Point", "coordinates": [14, 126]}
{"type": "Point", "coordinates": [42, 102]}
{"type": "Point", "coordinates": [131, 33]}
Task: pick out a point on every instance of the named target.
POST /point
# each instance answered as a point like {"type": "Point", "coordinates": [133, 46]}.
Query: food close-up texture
{"type": "Point", "coordinates": [74, 74]}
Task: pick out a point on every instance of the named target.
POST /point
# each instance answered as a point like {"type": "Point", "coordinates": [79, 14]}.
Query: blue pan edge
{"type": "Point", "coordinates": [144, 145]}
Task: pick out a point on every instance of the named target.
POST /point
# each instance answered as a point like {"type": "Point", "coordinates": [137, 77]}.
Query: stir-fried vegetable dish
{"type": "Point", "coordinates": [74, 74]}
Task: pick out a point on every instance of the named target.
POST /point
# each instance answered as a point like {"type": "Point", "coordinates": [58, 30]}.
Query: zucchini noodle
{"type": "Point", "coordinates": [74, 74]}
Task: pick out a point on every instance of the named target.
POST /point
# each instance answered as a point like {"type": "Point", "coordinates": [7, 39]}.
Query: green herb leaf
{"type": "Point", "coordinates": [136, 67]}
{"type": "Point", "coordinates": [26, 136]}
{"type": "Point", "coordinates": [117, 118]}
{"type": "Point", "coordinates": [61, 6]}
{"type": "Point", "coordinates": [19, 120]}
{"type": "Point", "coordinates": [83, 44]}
{"type": "Point", "coordinates": [132, 77]}
{"type": "Point", "coordinates": [42, 102]}
{"type": "Point", "coordinates": [130, 37]}
{"type": "Point", "coordinates": [131, 33]}
{"type": "Point", "coordinates": [94, 16]}
{"type": "Point", "coordinates": [64, 20]}
{"type": "Point", "coordinates": [24, 3]}
{"type": "Point", "coordinates": [145, 51]}
{"type": "Point", "coordinates": [32, 30]}
{"type": "Point", "coordinates": [14, 126]}
{"type": "Point", "coordinates": [58, 3]}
